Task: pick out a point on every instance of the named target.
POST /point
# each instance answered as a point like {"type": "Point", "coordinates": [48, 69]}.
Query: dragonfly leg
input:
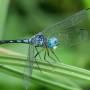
{"type": "Point", "coordinates": [54, 54]}
{"type": "Point", "coordinates": [47, 53]}
{"type": "Point", "coordinates": [45, 58]}
{"type": "Point", "coordinates": [37, 65]}
{"type": "Point", "coordinates": [38, 52]}
{"type": "Point", "coordinates": [50, 56]}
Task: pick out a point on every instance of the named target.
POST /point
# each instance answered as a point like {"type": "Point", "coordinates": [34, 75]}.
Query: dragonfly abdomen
{"type": "Point", "coordinates": [13, 41]}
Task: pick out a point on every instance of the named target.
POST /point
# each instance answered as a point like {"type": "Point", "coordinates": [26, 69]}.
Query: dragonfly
{"type": "Point", "coordinates": [68, 32]}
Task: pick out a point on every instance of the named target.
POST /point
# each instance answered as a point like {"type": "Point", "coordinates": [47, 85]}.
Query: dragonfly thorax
{"type": "Point", "coordinates": [38, 40]}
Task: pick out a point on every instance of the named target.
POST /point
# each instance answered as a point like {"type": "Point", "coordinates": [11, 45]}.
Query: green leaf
{"type": "Point", "coordinates": [52, 75]}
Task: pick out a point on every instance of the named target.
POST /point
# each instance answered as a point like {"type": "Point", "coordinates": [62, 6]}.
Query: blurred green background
{"type": "Point", "coordinates": [20, 19]}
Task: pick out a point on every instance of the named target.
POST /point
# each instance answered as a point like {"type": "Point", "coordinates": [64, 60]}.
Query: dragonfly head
{"type": "Point", "coordinates": [53, 42]}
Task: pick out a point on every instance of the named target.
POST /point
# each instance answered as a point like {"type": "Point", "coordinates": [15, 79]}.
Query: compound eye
{"type": "Point", "coordinates": [55, 42]}
{"type": "Point", "coordinates": [50, 43]}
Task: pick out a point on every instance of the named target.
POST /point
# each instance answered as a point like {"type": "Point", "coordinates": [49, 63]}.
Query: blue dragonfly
{"type": "Point", "coordinates": [68, 32]}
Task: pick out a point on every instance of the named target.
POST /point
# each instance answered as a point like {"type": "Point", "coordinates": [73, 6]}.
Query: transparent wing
{"type": "Point", "coordinates": [29, 67]}
{"type": "Point", "coordinates": [73, 28]}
